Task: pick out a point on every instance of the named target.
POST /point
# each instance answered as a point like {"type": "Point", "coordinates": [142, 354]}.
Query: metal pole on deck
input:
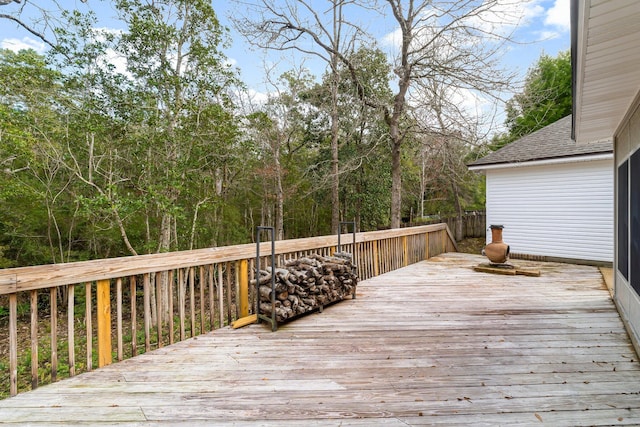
{"type": "Point", "coordinates": [272, 319]}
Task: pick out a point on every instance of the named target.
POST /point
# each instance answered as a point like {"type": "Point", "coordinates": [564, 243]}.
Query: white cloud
{"type": "Point", "coordinates": [559, 15]}
{"type": "Point", "coordinates": [500, 19]}
{"type": "Point", "coordinates": [102, 33]}
{"type": "Point", "coordinates": [530, 10]}
{"type": "Point", "coordinates": [257, 97]}
{"type": "Point", "coordinates": [23, 43]}
{"type": "Point", "coordinates": [505, 15]}
{"type": "Point", "coordinates": [118, 61]}
{"type": "Point", "coordinates": [111, 57]}
{"type": "Point", "coordinates": [392, 39]}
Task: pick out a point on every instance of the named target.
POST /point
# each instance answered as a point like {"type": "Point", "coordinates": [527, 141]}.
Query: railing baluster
{"type": "Point", "coordinates": [236, 282]}
{"type": "Point", "coordinates": [212, 318]}
{"type": "Point", "coordinates": [134, 324]}
{"type": "Point", "coordinates": [13, 344]}
{"type": "Point", "coordinates": [201, 284]}
{"type": "Point", "coordinates": [88, 323]}
{"type": "Point", "coordinates": [34, 338]}
{"type": "Point", "coordinates": [229, 315]}
{"type": "Point", "coordinates": [220, 297]}
{"type": "Point", "coordinates": [119, 318]}
{"type": "Point", "coordinates": [192, 301]}
{"type": "Point", "coordinates": [405, 251]}
{"type": "Point", "coordinates": [426, 246]}
{"type": "Point", "coordinates": [159, 280]}
{"type": "Point", "coordinates": [71, 290]}
{"type": "Point", "coordinates": [54, 333]}
{"type": "Point", "coordinates": [170, 303]}
{"type": "Point", "coordinates": [181, 301]}
{"type": "Point", "coordinates": [147, 311]}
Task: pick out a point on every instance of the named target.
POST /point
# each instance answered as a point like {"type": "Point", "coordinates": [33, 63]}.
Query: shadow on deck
{"type": "Point", "coordinates": [431, 343]}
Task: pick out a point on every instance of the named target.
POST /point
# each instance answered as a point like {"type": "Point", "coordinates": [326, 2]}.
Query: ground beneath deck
{"type": "Point", "coordinates": [432, 343]}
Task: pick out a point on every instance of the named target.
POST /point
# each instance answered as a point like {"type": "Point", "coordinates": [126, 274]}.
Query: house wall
{"type": "Point", "coordinates": [559, 211]}
{"type": "Point", "coordinates": [627, 190]}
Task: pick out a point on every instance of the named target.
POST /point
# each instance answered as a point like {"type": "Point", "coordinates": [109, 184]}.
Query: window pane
{"type": "Point", "coordinates": [634, 255]}
{"type": "Point", "coordinates": [623, 219]}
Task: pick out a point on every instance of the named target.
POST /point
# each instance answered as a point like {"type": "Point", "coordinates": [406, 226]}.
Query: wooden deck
{"type": "Point", "coordinates": [432, 343]}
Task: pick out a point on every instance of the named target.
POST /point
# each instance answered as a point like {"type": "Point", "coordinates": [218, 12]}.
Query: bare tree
{"type": "Point", "coordinates": [279, 25]}
{"type": "Point", "coordinates": [274, 127]}
{"type": "Point", "coordinates": [448, 133]}
{"type": "Point", "coordinates": [455, 43]}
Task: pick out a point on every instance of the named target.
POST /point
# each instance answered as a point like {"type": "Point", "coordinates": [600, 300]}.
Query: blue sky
{"type": "Point", "coordinates": [543, 27]}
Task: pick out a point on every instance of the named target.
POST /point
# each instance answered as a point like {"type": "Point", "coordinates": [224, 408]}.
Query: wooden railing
{"type": "Point", "coordinates": [160, 299]}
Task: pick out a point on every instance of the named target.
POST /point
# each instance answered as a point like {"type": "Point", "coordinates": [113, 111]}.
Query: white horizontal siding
{"type": "Point", "coordinates": [563, 210]}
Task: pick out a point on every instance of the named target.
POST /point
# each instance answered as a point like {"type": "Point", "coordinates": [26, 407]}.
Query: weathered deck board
{"type": "Point", "coordinates": [433, 343]}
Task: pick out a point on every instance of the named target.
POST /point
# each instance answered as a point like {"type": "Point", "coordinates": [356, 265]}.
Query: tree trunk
{"type": "Point", "coordinates": [335, 80]}
{"type": "Point", "coordinates": [396, 185]}
{"type": "Point", "coordinates": [279, 194]}
{"type": "Point", "coordinates": [456, 199]}
{"type": "Point", "coordinates": [164, 245]}
{"type": "Point", "coordinates": [335, 178]}
{"type": "Point", "coordinates": [423, 181]}
{"type": "Point", "coordinates": [358, 207]}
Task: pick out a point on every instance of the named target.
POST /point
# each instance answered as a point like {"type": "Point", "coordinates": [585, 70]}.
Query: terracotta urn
{"type": "Point", "coordinates": [497, 251]}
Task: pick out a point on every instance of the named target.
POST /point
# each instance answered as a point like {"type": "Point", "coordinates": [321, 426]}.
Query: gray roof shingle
{"type": "Point", "coordinates": [551, 142]}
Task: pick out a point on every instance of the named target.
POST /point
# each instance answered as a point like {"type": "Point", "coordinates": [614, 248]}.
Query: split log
{"type": "Point", "coordinates": [307, 283]}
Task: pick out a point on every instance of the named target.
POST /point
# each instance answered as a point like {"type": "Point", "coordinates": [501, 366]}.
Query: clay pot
{"type": "Point", "coordinates": [497, 251]}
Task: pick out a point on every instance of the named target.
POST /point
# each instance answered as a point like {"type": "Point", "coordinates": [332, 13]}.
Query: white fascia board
{"type": "Point", "coordinates": [573, 159]}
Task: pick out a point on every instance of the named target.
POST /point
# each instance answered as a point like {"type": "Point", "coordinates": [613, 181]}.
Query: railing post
{"type": "Point", "coordinates": [244, 288]}
{"type": "Point", "coordinates": [104, 322]}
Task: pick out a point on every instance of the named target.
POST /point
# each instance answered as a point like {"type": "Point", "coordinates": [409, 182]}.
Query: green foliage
{"type": "Point", "coordinates": [99, 160]}
{"type": "Point", "coordinates": [4, 262]}
{"type": "Point", "coordinates": [365, 163]}
{"type": "Point", "coordinates": [545, 99]}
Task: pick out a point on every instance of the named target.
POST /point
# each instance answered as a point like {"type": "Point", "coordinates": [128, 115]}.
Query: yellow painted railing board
{"type": "Point", "coordinates": [104, 322]}
{"type": "Point", "coordinates": [244, 321]}
{"type": "Point", "coordinates": [244, 288]}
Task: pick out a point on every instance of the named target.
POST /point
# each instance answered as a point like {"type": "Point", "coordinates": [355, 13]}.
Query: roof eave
{"type": "Point", "coordinates": [606, 66]}
{"type": "Point", "coordinates": [542, 162]}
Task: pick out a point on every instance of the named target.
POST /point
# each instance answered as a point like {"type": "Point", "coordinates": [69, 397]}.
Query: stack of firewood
{"type": "Point", "coordinates": [306, 284]}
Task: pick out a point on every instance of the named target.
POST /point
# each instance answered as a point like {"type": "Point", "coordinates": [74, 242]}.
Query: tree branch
{"type": "Point", "coordinates": [27, 27]}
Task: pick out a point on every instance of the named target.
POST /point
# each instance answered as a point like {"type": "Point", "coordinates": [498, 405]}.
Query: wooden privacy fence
{"type": "Point", "coordinates": [474, 224]}
{"type": "Point", "coordinates": [121, 307]}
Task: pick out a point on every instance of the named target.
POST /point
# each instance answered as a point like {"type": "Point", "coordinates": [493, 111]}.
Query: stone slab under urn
{"type": "Point", "coordinates": [506, 269]}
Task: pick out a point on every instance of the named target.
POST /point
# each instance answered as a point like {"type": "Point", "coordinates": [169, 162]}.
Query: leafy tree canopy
{"type": "Point", "coordinates": [545, 98]}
